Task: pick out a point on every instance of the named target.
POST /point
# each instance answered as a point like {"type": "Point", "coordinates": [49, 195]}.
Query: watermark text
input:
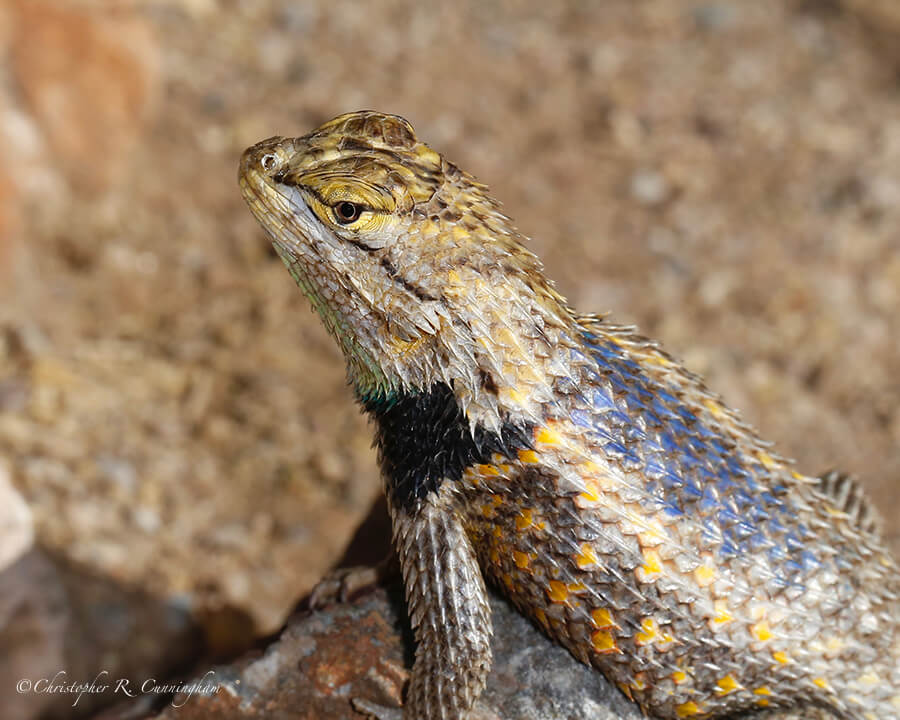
{"type": "Point", "coordinates": [62, 684]}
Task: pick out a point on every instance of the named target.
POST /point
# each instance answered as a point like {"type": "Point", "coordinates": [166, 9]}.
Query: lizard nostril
{"type": "Point", "coordinates": [268, 162]}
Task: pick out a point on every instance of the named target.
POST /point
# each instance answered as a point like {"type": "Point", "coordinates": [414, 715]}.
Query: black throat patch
{"type": "Point", "coordinates": [424, 440]}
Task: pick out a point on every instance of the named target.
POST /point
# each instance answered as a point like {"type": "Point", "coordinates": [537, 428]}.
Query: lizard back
{"type": "Point", "coordinates": [653, 534]}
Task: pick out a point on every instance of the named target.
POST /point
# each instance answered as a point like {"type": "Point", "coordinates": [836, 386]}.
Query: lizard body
{"type": "Point", "coordinates": [568, 460]}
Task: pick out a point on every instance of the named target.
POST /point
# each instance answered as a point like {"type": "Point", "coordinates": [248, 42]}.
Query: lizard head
{"type": "Point", "coordinates": [410, 263]}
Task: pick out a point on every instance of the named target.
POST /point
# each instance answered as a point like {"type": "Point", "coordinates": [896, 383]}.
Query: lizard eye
{"type": "Point", "coordinates": [347, 212]}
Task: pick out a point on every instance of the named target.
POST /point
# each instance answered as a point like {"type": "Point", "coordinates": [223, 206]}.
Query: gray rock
{"type": "Point", "coordinates": [360, 649]}
{"type": "Point", "coordinates": [16, 523]}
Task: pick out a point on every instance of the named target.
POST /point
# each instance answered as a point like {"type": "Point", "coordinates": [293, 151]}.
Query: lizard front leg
{"type": "Point", "coordinates": [448, 608]}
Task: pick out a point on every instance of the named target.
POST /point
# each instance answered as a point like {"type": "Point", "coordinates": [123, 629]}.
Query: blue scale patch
{"type": "Point", "coordinates": [709, 501]}
{"type": "Point", "coordinates": [602, 401]}
{"type": "Point", "coordinates": [689, 468]}
{"type": "Point", "coordinates": [673, 510]}
{"type": "Point", "coordinates": [581, 418]}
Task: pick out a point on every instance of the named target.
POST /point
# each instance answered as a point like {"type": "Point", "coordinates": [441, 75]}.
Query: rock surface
{"type": "Point", "coordinates": [60, 625]}
{"type": "Point", "coordinates": [93, 112]}
{"type": "Point", "coordinates": [724, 173]}
{"type": "Point", "coordinates": [364, 648]}
{"type": "Point", "coordinates": [16, 523]}
{"type": "Point", "coordinates": [360, 649]}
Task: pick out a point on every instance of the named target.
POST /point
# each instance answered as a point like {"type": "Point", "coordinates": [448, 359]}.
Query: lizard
{"type": "Point", "coordinates": [567, 460]}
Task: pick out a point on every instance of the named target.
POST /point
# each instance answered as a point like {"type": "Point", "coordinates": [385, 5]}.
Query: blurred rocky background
{"type": "Point", "coordinates": [180, 458]}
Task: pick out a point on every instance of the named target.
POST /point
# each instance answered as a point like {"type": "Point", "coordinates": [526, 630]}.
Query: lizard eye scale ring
{"type": "Point", "coordinates": [347, 212]}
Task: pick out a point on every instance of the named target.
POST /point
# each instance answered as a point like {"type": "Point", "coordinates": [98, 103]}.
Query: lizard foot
{"type": "Point", "coordinates": [378, 712]}
{"type": "Point", "coordinates": [340, 585]}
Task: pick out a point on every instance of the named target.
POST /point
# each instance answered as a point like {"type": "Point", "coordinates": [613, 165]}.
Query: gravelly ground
{"type": "Point", "coordinates": [724, 174]}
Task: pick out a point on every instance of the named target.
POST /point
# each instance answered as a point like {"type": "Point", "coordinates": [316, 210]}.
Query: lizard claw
{"type": "Point", "coordinates": [378, 712]}
{"type": "Point", "coordinates": [340, 585]}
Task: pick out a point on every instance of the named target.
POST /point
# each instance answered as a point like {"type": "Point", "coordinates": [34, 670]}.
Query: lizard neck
{"type": "Point", "coordinates": [424, 440]}
{"type": "Point", "coordinates": [510, 357]}
{"type": "Point", "coordinates": [353, 334]}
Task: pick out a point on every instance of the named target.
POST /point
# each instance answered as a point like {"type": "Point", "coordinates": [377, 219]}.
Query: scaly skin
{"type": "Point", "coordinates": [567, 460]}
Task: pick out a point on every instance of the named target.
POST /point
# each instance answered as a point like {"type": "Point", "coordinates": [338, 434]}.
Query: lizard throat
{"type": "Point", "coordinates": [363, 371]}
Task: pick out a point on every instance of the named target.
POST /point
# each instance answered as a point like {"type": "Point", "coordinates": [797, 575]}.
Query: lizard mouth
{"type": "Point", "coordinates": [321, 264]}
{"type": "Point", "coordinates": [279, 208]}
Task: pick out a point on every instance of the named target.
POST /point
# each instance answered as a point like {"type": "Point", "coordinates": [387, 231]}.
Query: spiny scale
{"type": "Point", "coordinates": [567, 460]}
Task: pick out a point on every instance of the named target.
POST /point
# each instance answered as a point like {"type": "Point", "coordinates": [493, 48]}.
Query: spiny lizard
{"type": "Point", "coordinates": [568, 460]}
